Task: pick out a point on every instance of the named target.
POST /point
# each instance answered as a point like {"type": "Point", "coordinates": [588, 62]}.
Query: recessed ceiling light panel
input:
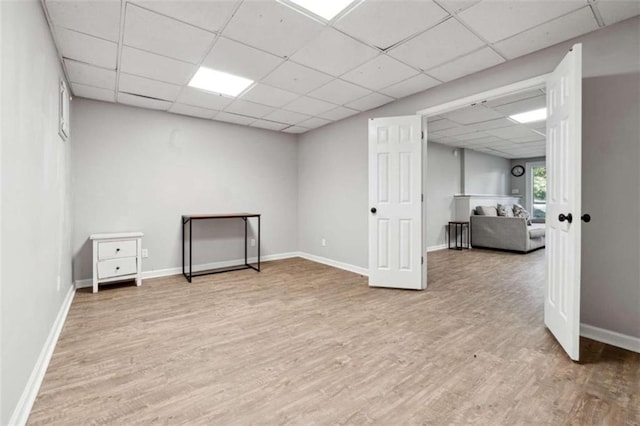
{"type": "Point", "coordinates": [219, 82]}
{"type": "Point", "coordinates": [325, 9]}
{"type": "Point", "coordinates": [530, 116]}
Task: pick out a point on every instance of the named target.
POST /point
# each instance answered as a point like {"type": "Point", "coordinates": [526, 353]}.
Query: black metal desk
{"type": "Point", "coordinates": [188, 219]}
{"type": "Point", "coordinates": [461, 226]}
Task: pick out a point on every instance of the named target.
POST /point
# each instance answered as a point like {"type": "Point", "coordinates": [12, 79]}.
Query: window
{"type": "Point", "coordinates": [538, 187]}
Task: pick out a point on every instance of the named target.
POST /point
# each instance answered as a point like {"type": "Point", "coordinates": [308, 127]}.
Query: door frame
{"type": "Point", "coordinates": [528, 185]}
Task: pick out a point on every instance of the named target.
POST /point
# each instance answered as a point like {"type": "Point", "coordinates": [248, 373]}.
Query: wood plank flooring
{"type": "Point", "coordinates": [304, 343]}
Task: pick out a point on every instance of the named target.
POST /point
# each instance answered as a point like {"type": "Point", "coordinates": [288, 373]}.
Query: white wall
{"type": "Point", "coordinates": [443, 181]}
{"type": "Point", "coordinates": [333, 158]}
{"type": "Point", "coordinates": [485, 174]}
{"type": "Point", "coordinates": [36, 219]}
{"type": "Point", "coordinates": [141, 170]}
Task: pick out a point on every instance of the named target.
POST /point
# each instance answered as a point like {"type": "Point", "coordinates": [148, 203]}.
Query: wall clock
{"type": "Point", "coordinates": [517, 171]}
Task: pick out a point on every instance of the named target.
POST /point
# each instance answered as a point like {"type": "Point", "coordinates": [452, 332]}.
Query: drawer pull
{"type": "Point", "coordinates": [117, 250]}
{"type": "Point", "coordinates": [117, 268]}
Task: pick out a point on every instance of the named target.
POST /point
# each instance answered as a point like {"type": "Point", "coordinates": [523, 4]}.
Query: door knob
{"type": "Point", "coordinates": [373, 210]}
{"type": "Point", "coordinates": [586, 217]}
{"type": "Point", "coordinates": [568, 217]}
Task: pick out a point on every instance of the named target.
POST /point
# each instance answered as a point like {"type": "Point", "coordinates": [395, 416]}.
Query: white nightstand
{"type": "Point", "coordinates": [117, 257]}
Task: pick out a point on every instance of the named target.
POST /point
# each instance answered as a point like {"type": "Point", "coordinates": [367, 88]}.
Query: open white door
{"type": "Point", "coordinates": [564, 180]}
{"type": "Point", "coordinates": [395, 202]}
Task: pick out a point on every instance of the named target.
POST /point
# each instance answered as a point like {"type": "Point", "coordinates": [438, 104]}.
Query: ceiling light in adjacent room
{"type": "Point", "coordinates": [219, 82]}
{"type": "Point", "coordinates": [326, 9]}
{"type": "Point", "coordinates": [530, 116]}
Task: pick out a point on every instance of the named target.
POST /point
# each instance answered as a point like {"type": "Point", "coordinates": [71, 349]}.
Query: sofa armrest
{"type": "Point", "coordinates": [506, 233]}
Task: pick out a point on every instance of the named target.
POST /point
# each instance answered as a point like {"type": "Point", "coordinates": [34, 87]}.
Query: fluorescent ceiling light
{"type": "Point", "coordinates": [530, 116]}
{"type": "Point", "coordinates": [326, 9]}
{"type": "Point", "coordinates": [219, 82]}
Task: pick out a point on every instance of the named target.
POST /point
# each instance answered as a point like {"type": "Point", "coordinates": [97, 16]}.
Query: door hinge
{"type": "Point", "coordinates": [422, 260]}
{"type": "Point", "coordinates": [422, 133]}
{"type": "Point", "coordinates": [422, 197]}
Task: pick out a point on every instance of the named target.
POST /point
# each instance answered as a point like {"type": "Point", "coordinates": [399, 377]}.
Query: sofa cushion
{"type": "Point", "coordinates": [537, 231]}
{"type": "Point", "coordinates": [519, 211]}
{"type": "Point", "coordinates": [505, 210]}
{"type": "Point", "coordinates": [486, 211]}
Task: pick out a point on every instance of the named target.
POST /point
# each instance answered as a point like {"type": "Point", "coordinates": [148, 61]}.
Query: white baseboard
{"type": "Point", "coordinates": [610, 337]}
{"type": "Point", "coordinates": [30, 392]}
{"type": "Point", "coordinates": [335, 263]}
{"type": "Point", "coordinates": [436, 248]}
{"type": "Point", "coordinates": [157, 273]}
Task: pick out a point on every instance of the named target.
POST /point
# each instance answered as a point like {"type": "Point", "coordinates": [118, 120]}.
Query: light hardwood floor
{"type": "Point", "coordinates": [304, 343]}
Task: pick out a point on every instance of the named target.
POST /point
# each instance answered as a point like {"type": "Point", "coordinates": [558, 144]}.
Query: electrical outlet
{"type": "Point", "coordinates": [253, 242]}
{"type": "Point", "coordinates": [58, 283]}
{"type": "Point", "coordinates": [145, 253]}
{"type": "Point", "coordinates": [323, 242]}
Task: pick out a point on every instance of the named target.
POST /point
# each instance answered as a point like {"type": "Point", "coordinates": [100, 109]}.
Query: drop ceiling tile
{"type": "Point", "coordinates": [522, 106]}
{"type": "Point", "coordinates": [454, 131]}
{"type": "Point", "coordinates": [440, 44]}
{"type": "Point", "coordinates": [338, 113]}
{"type": "Point", "coordinates": [385, 23]}
{"type": "Point", "coordinates": [239, 59]}
{"type": "Point", "coordinates": [503, 100]}
{"type": "Point", "coordinates": [456, 6]}
{"type": "Point", "coordinates": [247, 108]}
{"type": "Point", "coordinates": [82, 73]}
{"type": "Point", "coordinates": [339, 92]}
{"type": "Point", "coordinates": [97, 18]}
{"type": "Point", "coordinates": [234, 118]}
{"type": "Point", "coordinates": [467, 64]}
{"type": "Point", "coordinates": [156, 67]}
{"type": "Point", "coordinates": [267, 95]}
{"type": "Point", "coordinates": [296, 129]}
{"type": "Point", "coordinates": [472, 136]}
{"type": "Point", "coordinates": [152, 88]}
{"type": "Point", "coordinates": [93, 92]}
{"type": "Point", "coordinates": [272, 27]}
{"type": "Point", "coordinates": [296, 78]}
{"type": "Point", "coordinates": [481, 141]}
{"type": "Point", "coordinates": [155, 33]}
{"type": "Point", "coordinates": [310, 106]}
{"type": "Point", "coordinates": [270, 125]}
{"type": "Point", "coordinates": [440, 124]}
{"type": "Point", "coordinates": [314, 123]}
{"type": "Point", "coordinates": [551, 33]}
{"type": "Point", "coordinates": [379, 72]}
{"type": "Point", "coordinates": [140, 101]}
{"type": "Point", "coordinates": [208, 15]}
{"type": "Point", "coordinates": [491, 124]}
{"type": "Point", "coordinates": [518, 131]}
{"type": "Point", "coordinates": [288, 117]}
{"type": "Point", "coordinates": [613, 11]}
{"type": "Point", "coordinates": [497, 20]}
{"type": "Point", "coordinates": [85, 48]}
{"type": "Point", "coordinates": [535, 138]}
{"type": "Point", "coordinates": [440, 139]}
{"type": "Point", "coordinates": [410, 86]}
{"type": "Point", "coordinates": [334, 53]}
{"type": "Point", "coordinates": [472, 114]}
{"type": "Point", "coordinates": [368, 102]}
{"type": "Point", "coordinates": [200, 98]}
{"type": "Point", "coordinates": [192, 111]}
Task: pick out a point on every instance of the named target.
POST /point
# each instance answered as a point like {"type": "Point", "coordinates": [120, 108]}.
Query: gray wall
{"type": "Point", "coordinates": [141, 170]}
{"type": "Point", "coordinates": [520, 183]}
{"type": "Point", "coordinates": [36, 221]}
{"type": "Point", "coordinates": [611, 195]}
{"type": "Point", "coordinates": [339, 201]}
{"type": "Point", "coordinates": [443, 181]}
{"type": "Point", "coordinates": [485, 174]}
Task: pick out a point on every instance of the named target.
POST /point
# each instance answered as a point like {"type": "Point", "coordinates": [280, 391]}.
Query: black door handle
{"type": "Point", "coordinates": [568, 217]}
{"type": "Point", "coordinates": [373, 210]}
{"type": "Point", "coordinates": [586, 217]}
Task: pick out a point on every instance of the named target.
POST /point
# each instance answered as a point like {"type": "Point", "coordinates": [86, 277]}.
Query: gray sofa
{"type": "Point", "coordinates": [506, 233]}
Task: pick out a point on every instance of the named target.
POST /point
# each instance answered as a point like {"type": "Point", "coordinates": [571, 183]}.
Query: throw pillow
{"type": "Point", "coordinates": [486, 211]}
{"type": "Point", "coordinates": [505, 210]}
{"type": "Point", "coordinates": [519, 211]}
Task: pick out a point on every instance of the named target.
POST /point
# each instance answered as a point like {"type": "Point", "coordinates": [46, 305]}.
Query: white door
{"type": "Point", "coordinates": [564, 174]}
{"type": "Point", "coordinates": [395, 203]}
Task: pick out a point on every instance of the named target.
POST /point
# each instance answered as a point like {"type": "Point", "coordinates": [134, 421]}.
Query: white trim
{"type": "Point", "coordinates": [28, 397]}
{"type": "Point", "coordinates": [335, 263]}
{"type": "Point", "coordinates": [157, 273]}
{"type": "Point", "coordinates": [528, 183]}
{"type": "Point", "coordinates": [609, 337]}
{"type": "Point", "coordinates": [436, 248]}
{"type": "Point", "coordinates": [530, 83]}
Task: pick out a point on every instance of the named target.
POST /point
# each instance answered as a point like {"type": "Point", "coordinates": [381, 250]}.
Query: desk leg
{"type": "Point", "coordinates": [246, 261]}
{"type": "Point", "coordinates": [258, 243]}
{"type": "Point", "coordinates": [190, 248]}
{"type": "Point", "coordinates": [182, 224]}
